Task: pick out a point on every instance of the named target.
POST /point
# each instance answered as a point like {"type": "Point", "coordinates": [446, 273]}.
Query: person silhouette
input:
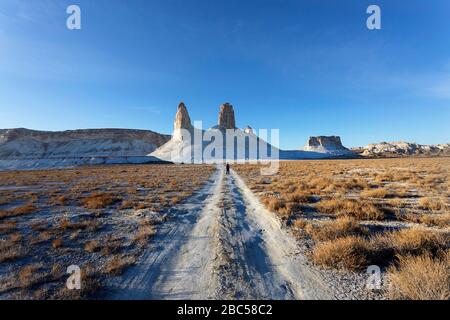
{"type": "Point", "coordinates": [228, 168]}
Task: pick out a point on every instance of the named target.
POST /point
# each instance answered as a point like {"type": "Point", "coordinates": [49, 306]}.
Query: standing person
{"type": "Point", "coordinates": [228, 168]}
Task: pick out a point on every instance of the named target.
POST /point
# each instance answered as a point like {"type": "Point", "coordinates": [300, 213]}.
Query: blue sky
{"type": "Point", "coordinates": [305, 67]}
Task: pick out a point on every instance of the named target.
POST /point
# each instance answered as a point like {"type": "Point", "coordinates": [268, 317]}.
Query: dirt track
{"type": "Point", "coordinates": [221, 244]}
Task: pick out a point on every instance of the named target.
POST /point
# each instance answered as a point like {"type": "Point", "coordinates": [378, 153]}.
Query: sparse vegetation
{"type": "Point", "coordinates": [99, 200]}
{"type": "Point", "coordinates": [348, 253]}
{"type": "Point", "coordinates": [360, 210]}
{"type": "Point", "coordinates": [431, 204]}
{"type": "Point", "coordinates": [331, 230]}
{"type": "Point", "coordinates": [117, 264]}
{"type": "Point", "coordinates": [18, 211]}
{"type": "Point", "coordinates": [420, 278]}
{"type": "Point", "coordinates": [374, 193]}
{"type": "Point", "coordinates": [66, 216]}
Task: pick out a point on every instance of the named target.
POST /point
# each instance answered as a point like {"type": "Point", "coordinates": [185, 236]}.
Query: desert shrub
{"type": "Point", "coordinates": [299, 223]}
{"type": "Point", "coordinates": [351, 253]}
{"type": "Point", "coordinates": [360, 210]}
{"type": "Point", "coordinates": [331, 230]}
{"type": "Point", "coordinates": [298, 197]}
{"type": "Point", "coordinates": [7, 226]}
{"type": "Point", "coordinates": [90, 225]}
{"type": "Point", "coordinates": [440, 220]}
{"type": "Point", "coordinates": [18, 211]}
{"type": "Point", "coordinates": [92, 246]}
{"type": "Point", "coordinates": [31, 275]}
{"type": "Point", "coordinates": [57, 243]}
{"type": "Point", "coordinates": [412, 241]}
{"type": "Point", "coordinates": [99, 200]}
{"type": "Point", "coordinates": [144, 233]}
{"type": "Point", "coordinates": [397, 203]}
{"type": "Point", "coordinates": [420, 278]}
{"type": "Point", "coordinates": [59, 200]}
{"type": "Point", "coordinates": [11, 252]}
{"type": "Point", "coordinates": [127, 204]}
{"type": "Point", "coordinates": [117, 264]}
{"type": "Point", "coordinates": [374, 193]}
{"type": "Point", "coordinates": [431, 204]}
{"type": "Point", "coordinates": [273, 203]}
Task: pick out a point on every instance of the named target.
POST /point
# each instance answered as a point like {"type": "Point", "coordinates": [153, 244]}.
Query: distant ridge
{"type": "Point", "coordinates": [24, 143]}
{"type": "Point", "coordinates": [402, 149]}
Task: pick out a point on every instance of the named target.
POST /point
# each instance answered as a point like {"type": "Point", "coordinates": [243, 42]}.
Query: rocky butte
{"type": "Point", "coordinates": [226, 117]}
{"type": "Point", "coordinates": [326, 144]}
{"type": "Point", "coordinates": [182, 119]}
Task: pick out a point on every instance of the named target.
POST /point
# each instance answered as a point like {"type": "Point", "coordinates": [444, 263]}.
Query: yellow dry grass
{"type": "Point", "coordinates": [420, 278]}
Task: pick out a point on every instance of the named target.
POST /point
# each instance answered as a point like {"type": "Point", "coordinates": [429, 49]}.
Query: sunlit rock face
{"type": "Point", "coordinates": [182, 119]}
{"type": "Point", "coordinates": [401, 148]}
{"type": "Point", "coordinates": [33, 144]}
{"type": "Point", "coordinates": [326, 144]}
{"type": "Point", "coordinates": [226, 117]}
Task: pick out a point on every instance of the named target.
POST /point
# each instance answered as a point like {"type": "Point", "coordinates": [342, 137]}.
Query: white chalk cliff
{"type": "Point", "coordinates": [401, 148]}
{"type": "Point", "coordinates": [197, 145]}
{"type": "Point", "coordinates": [326, 144]}
{"type": "Point", "coordinates": [31, 149]}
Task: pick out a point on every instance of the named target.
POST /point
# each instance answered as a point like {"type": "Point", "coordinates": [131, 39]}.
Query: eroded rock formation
{"type": "Point", "coordinates": [182, 119]}
{"type": "Point", "coordinates": [226, 117]}
{"type": "Point", "coordinates": [326, 144]}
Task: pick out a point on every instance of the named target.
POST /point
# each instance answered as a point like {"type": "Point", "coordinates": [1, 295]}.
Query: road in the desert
{"type": "Point", "coordinates": [221, 244]}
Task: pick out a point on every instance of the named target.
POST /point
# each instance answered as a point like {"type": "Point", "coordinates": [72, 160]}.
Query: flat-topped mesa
{"type": "Point", "coordinates": [182, 119]}
{"type": "Point", "coordinates": [324, 144]}
{"type": "Point", "coordinates": [226, 117]}
{"type": "Point", "coordinates": [324, 141]}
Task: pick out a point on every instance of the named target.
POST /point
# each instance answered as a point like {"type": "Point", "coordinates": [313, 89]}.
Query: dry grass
{"type": "Point", "coordinates": [18, 211]}
{"type": "Point", "coordinates": [356, 192]}
{"type": "Point", "coordinates": [412, 241]}
{"type": "Point", "coordinates": [431, 204]}
{"type": "Point", "coordinates": [7, 226]}
{"type": "Point", "coordinates": [92, 246]}
{"type": "Point", "coordinates": [346, 253]}
{"type": "Point", "coordinates": [420, 278]}
{"type": "Point", "coordinates": [64, 216]}
{"type": "Point", "coordinates": [144, 233]}
{"type": "Point", "coordinates": [99, 200]}
{"type": "Point", "coordinates": [356, 252]}
{"type": "Point", "coordinates": [59, 200]}
{"type": "Point", "coordinates": [300, 223]}
{"type": "Point", "coordinates": [374, 193]}
{"type": "Point", "coordinates": [41, 237]}
{"type": "Point", "coordinates": [440, 220]}
{"type": "Point", "coordinates": [117, 265]}
{"type": "Point", "coordinates": [331, 230]}
{"type": "Point", "coordinates": [57, 243]}
{"type": "Point", "coordinates": [90, 225]}
{"type": "Point", "coordinates": [361, 210]}
{"type": "Point", "coordinates": [31, 275]}
{"type": "Point", "coordinates": [11, 252]}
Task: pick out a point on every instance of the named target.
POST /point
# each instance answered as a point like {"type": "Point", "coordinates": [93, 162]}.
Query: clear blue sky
{"type": "Point", "coordinates": [305, 67]}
